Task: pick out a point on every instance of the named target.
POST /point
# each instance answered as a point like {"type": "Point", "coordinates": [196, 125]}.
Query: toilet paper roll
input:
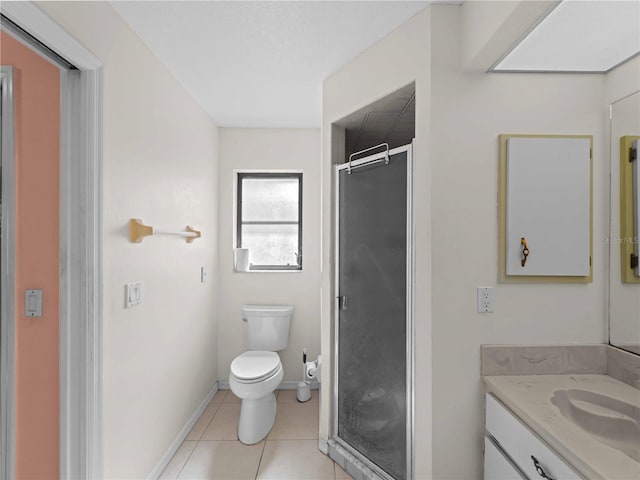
{"type": "Point", "coordinates": [242, 259]}
{"type": "Point", "coordinates": [312, 370]}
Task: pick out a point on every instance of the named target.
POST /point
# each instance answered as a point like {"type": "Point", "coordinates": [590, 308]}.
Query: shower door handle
{"type": "Point", "coordinates": [342, 302]}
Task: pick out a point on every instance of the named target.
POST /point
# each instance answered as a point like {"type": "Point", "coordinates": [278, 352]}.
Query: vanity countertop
{"type": "Point", "coordinates": [529, 397]}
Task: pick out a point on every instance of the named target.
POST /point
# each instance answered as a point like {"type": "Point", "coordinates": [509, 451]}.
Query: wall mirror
{"type": "Point", "coordinates": [624, 276]}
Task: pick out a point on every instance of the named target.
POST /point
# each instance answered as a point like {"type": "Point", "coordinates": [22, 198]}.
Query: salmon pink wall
{"type": "Point", "coordinates": [37, 145]}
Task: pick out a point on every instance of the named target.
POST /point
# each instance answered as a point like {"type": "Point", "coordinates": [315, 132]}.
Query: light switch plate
{"type": "Point", "coordinates": [133, 294]}
{"type": "Point", "coordinates": [33, 303]}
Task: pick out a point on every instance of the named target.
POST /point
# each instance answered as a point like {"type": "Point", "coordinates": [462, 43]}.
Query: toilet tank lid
{"type": "Point", "coordinates": [268, 309]}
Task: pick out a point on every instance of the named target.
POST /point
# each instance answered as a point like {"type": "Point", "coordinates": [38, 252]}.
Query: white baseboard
{"type": "Point", "coordinates": [323, 446]}
{"type": "Point", "coordinates": [293, 385]}
{"type": "Point", "coordinates": [219, 385]}
{"type": "Point", "coordinates": [173, 448]}
{"type": "Point", "coordinates": [286, 385]}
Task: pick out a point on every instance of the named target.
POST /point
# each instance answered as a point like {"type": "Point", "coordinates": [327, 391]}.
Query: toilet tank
{"type": "Point", "coordinates": [267, 326]}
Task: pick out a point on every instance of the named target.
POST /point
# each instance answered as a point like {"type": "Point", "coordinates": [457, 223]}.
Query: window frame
{"type": "Point", "coordinates": [239, 222]}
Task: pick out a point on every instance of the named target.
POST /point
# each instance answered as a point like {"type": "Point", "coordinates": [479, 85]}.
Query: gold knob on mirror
{"type": "Point", "coordinates": [525, 250]}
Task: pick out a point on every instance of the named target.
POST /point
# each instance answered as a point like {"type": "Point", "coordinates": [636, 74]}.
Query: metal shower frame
{"type": "Point", "coordinates": [386, 157]}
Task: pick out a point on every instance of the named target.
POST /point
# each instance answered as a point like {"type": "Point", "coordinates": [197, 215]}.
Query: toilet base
{"type": "Point", "coordinates": [256, 419]}
{"type": "Point", "coordinates": [258, 407]}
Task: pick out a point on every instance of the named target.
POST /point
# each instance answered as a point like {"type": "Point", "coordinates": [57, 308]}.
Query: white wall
{"type": "Point", "coordinates": [270, 149]}
{"type": "Point", "coordinates": [622, 81]}
{"type": "Point", "coordinates": [458, 119]}
{"type": "Point", "coordinates": [397, 60]}
{"type": "Point", "coordinates": [160, 165]}
{"type": "Point", "coordinates": [490, 28]}
{"type": "Point", "coordinates": [469, 111]}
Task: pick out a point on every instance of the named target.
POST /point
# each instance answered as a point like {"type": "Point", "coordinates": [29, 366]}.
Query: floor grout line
{"type": "Point", "coordinates": [227, 440]}
{"type": "Point", "coordinates": [210, 420]}
{"type": "Point", "coordinates": [188, 457]}
{"type": "Point", "coordinates": [198, 440]}
{"type": "Point", "coordinates": [216, 411]}
{"type": "Point", "coordinates": [264, 445]}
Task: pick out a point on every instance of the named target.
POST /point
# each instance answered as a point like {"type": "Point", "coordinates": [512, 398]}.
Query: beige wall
{"type": "Point", "coordinates": [469, 111]}
{"type": "Point", "coordinates": [270, 149]}
{"type": "Point", "coordinates": [397, 60]}
{"type": "Point", "coordinates": [160, 165]}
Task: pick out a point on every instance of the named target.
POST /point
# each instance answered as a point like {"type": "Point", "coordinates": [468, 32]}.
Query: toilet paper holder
{"type": "Point", "coordinates": [312, 370]}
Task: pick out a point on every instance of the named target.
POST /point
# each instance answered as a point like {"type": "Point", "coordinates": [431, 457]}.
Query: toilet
{"type": "Point", "coordinates": [256, 373]}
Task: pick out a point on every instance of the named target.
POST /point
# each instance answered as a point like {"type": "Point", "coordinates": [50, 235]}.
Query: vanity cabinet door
{"type": "Point", "coordinates": [496, 465]}
{"type": "Point", "coordinates": [523, 446]}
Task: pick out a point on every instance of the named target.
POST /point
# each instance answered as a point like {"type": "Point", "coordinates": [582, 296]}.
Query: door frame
{"type": "Point", "coordinates": [7, 363]}
{"type": "Point", "coordinates": [81, 284]}
{"type": "Point", "coordinates": [410, 295]}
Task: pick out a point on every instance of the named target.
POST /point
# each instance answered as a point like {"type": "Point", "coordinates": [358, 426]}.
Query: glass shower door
{"type": "Point", "coordinates": [373, 312]}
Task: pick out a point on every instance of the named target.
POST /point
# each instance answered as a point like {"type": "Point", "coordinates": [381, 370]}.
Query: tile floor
{"type": "Point", "coordinates": [290, 451]}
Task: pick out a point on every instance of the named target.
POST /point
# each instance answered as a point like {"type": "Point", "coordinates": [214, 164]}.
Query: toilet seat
{"type": "Point", "coordinates": [255, 366]}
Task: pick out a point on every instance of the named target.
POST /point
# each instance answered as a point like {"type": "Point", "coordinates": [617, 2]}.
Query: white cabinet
{"type": "Point", "coordinates": [546, 207]}
{"type": "Point", "coordinates": [496, 465]}
{"type": "Point", "coordinates": [519, 446]}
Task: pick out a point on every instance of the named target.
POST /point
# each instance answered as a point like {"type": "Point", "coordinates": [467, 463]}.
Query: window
{"type": "Point", "coordinates": [269, 220]}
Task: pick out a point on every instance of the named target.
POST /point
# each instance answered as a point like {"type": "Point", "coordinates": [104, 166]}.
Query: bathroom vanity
{"type": "Point", "coordinates": [561, 427]}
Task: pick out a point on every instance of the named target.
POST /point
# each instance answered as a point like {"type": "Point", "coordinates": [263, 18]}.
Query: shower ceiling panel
{"type": "Point", "coordinates": [390, 120]}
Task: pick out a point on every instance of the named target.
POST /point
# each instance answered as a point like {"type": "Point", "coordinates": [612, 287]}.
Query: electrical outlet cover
{"type": "Point", "coordinates": [485, 299]}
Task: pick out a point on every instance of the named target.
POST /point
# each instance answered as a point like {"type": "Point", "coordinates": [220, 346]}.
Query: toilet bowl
{"type": "Point", "coordinates": [256, 373]}
{"type": "Point", "coordinates": [254, 377]}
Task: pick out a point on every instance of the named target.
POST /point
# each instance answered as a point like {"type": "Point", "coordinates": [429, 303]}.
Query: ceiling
{"type": "Point", "coordinates": [261, 63]}
{"type": "Point", "coordinates": [579, 36]}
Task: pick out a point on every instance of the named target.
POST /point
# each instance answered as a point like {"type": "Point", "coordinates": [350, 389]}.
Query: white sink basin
{"type": "Point", "coordinates": [611, 421]}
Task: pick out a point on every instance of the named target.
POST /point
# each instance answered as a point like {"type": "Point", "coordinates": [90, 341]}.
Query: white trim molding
{"type": "Point", "coordinates": [81, 244]}
{"type": "Point", "coordinates": [285, 385]}
{"type": "Point", "coordinates": [40, 26]}
{"type": "Point", "coordinates": [323, 446]}
{"type": "Point", "coordinates": [7, 279]}
{"type": "Point", "coordinates": [81, 282]}
{"type": "Point", "coordinates": [184, 431]}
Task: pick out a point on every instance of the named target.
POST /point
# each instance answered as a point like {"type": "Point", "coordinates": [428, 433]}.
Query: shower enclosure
{"type": "Point", "coordinates": [373, 401]}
